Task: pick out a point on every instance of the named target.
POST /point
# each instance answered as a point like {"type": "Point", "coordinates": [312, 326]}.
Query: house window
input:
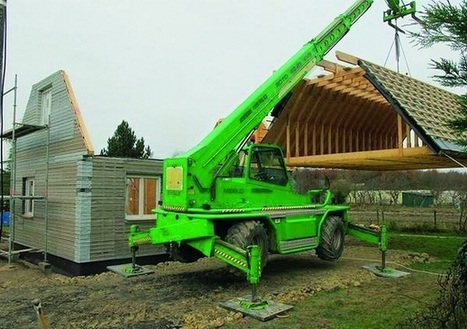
{"type": "Point", "coordinates": [28, 192]}
{"type": "Point", "coordinates": [46, 106]}
{"type": "Point", "coordinates": [142, 195]}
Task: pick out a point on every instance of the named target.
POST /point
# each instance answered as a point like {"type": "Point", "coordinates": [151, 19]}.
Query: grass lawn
{"type": "Point", "coordinates": [381, 303]}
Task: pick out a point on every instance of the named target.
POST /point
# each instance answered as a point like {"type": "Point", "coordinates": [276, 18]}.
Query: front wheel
{"type": "Point", "coordinates": [248, 233]}
{"type": "Point", "coordinates": [332, 239]}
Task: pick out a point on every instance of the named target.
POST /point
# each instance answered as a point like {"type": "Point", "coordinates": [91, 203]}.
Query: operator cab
{"type": "Point", "coordinates": [263, 163]}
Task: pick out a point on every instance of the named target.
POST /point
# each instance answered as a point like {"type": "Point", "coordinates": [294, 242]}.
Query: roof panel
{"type": "Point", "coordinates": [367, 117]}
{"type": "Point", "coordinates": [430, 107]}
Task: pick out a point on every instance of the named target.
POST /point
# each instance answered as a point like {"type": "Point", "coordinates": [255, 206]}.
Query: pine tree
{"type": "Point", "coordinates": [445, 23]}
{"type": "Point", "coordinates": [125, 144]}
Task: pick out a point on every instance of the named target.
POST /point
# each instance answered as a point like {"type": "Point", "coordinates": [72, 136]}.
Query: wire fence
{"type": "Point", "coordinates": [411, 219]}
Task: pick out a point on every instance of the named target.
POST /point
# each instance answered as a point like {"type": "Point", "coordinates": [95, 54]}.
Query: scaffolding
{"type": "Point", "coordinates": [19, 130]}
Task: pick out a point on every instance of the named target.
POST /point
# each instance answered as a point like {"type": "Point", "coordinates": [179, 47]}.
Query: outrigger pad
{"type": "Point", "coordinates": [386, 273]}
{"type": "Point", "coordinates": [265, 311]}
{"type": "Point", "coordinates": [127, 270]}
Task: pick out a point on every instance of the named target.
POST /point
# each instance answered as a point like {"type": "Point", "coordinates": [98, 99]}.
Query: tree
{"type": "Point", "coordinates": [125, 144]}
{"type": "Point", "coordinates": [445, 23]}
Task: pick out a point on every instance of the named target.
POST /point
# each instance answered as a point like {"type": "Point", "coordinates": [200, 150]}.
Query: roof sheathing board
{"type": "Point", "coordinates": [426, 108]}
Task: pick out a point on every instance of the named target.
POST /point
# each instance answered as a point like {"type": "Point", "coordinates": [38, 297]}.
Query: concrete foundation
{"type": "Point", "coordinates": [45, 267]}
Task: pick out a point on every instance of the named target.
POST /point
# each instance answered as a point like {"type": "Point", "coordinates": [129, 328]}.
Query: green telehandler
{"type": "Point", "coordinates": [232, 199]}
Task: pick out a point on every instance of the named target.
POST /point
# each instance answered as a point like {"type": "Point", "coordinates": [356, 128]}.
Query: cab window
{"type": "Point", "coordinates": [267, 165]}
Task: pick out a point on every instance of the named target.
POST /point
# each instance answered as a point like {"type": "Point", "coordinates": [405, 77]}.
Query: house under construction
{"type": "Point", "coordinates": [71, 206]}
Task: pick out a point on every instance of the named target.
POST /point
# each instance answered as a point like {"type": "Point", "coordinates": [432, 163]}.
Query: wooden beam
{"type": "Point", "coordinates": [79, 119]}
{"type": "Point", "coordinates": [303, 100]}
{"type": "Point", "coordinates": [336, 140]}
{"type": "Point", "coordinates": [347, 114]}
{"type": "Point", "coordinates": [408, 136]}
{"type": "Point", "coordinates": [346, 72]}
{"type": "Point", "coordinates": [357, 141]}
{"type": "Point", "coordinates": [344, 140]}
{"type": "Point", "coordinates": [355, 88]}
{"type": "Point", "coordinates": [371, 95]}
{"type": "Point", "coordinates": [325, 112]}
{"type": "Point", "coordinates": [367, 110]}
{"type": "Point", "coordinates": [399, 134]}
{"type": "Point", "coordinates": [313, 145]}
{"type": "Point", "coordinates": [351, 80]}
{"type": "Point", "coordinates": [297, 138]}
{"type": "Point", "coordinates": [384, 120]}
{"type": "Point", "coordinates": [347, 58]}
{"type": "Point", "coordinates": [321, 149]}
{"type": "Point", "coordinates": [330, 66]}
{"type": "Point", "coordinates": [364, 141]}
{"type": "Point", "coordinates": [315, 99]}
{"type": "Point", "coordinates": [360, 157]}
{"type": "Point", "coordinates": [315, 81]}
{"type": "Point", "coordinates": [329, 84]}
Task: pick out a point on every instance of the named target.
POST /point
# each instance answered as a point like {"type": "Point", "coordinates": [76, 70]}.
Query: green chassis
{"type": "Point", "coordinates": [198, 231]}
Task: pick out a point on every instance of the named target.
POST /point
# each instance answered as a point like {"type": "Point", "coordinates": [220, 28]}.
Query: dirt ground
{"type": "Point", "coordinates": [175, 296]}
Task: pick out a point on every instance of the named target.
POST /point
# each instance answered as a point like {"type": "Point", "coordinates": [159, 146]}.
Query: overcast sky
{"type": "Point", "coordinates": [173, 68]}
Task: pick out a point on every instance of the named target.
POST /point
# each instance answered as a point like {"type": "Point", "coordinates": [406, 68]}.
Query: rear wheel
{"type": "Point", "coordinates": [248, 233]}
{"type": "Point", "coordinates": [332, 239]}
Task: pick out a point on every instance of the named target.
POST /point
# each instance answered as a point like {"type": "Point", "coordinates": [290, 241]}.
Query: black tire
{"type": "Point", "coordinates": [248, 233]}
{"type": "Point", "coordinates": [184, 253]}
{"type": "Point", "coordinates": [332, 239]}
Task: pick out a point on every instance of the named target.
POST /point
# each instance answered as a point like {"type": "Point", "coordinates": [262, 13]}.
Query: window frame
{"type": "Point", "coordinates": [141, 216]}
{"type": "Point", "coordinates": [45, 105]}
{"type": "Point", "coordinates": [28, 193]}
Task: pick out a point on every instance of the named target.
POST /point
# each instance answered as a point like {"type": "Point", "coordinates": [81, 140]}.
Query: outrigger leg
{"type": "Point", "coordinates": [248, 261]}
{"type": "Point", "coordinates": [380, 238]}
{"type": "Point", "coordinates": [136, 239]}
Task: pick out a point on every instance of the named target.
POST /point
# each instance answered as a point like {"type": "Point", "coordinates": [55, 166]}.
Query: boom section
{"type": "Point", "coordinates": [212, 150]}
